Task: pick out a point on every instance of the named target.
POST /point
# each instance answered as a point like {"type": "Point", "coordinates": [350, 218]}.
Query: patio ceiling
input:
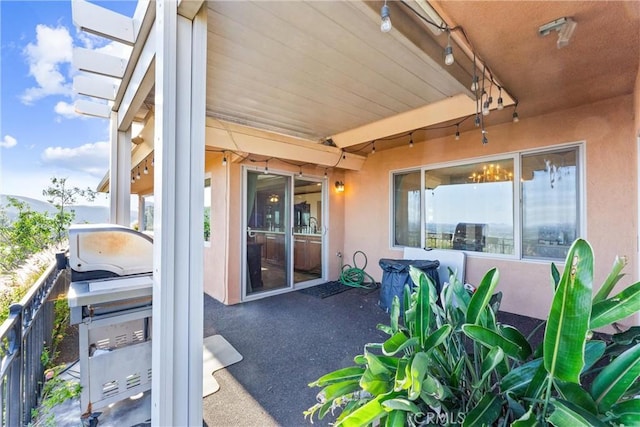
{"type": "Point", "coordinates": [324, 69]}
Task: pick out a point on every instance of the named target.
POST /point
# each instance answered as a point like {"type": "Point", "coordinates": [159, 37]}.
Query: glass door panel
{"type": "Point", "coordinates": [268, 231]}
{"type": "Point", "coordinates": [308, 230]}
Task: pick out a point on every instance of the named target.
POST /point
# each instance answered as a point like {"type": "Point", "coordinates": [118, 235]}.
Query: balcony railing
{"type": "Point", "coordinates": [23, 338]}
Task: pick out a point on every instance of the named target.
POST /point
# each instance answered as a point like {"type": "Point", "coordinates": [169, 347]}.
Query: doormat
{"type": "Point", "coordinates": [217, 353]}
{"type": "Point", "coordinates": [326, 289]}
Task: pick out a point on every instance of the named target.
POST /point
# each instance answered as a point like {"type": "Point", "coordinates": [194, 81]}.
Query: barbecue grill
{"type": "Point", "coordinates": [110, 301]}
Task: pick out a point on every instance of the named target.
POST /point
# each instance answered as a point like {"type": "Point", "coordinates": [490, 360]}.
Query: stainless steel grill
{"type": "Point", "coordinates": [110, 300]}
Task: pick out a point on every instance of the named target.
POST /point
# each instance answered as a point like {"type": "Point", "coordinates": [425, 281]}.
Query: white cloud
{"type": "Point", "coordinates": [8, 141]}
{"type": "Point", "coordinates": [52, 49]}
{"type": "Point", "coordinates": [92, 159]}
{"type": "Point", "coordinates": [66, 110]}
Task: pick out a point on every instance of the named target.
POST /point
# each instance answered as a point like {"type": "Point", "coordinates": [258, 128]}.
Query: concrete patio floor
{"type": "Point", "coordinates": [286, 341]}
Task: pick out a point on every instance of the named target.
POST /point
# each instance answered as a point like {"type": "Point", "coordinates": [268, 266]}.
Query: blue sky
{"type": "Point", "coordinates": [40, 134]}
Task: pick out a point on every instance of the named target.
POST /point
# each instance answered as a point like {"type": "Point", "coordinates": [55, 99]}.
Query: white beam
{"type": "Point", "coordinates": [431, 114]}
{"type": "Point", "coordinates": [140, 83]}
{"type": "Point", "coordinates": [99, 63]}
{"type": "Point", "coordinates": [102, 22]}
{"type": "Point", "coordinates": [178, 223]}
{"type": "Point", "coordinates": [95, 87]}
{"type": "Point", "coordinates": [189, 8]}
{"type": "Point", "coordinates": [89, 108]}
{"type": "Point", "coordinates": [119, 175]}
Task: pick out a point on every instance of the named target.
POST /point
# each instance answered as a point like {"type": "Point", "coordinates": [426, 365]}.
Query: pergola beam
{"type": "Point", "coordinates": [95, 87]}
{"type": "Point", "coordinates": [103, 22]}
{"type": "Point", "coordinates": [100, 63]}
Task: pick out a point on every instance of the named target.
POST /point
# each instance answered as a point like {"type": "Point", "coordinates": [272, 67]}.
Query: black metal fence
{"type": "Point", "coordinates": [23, 338]}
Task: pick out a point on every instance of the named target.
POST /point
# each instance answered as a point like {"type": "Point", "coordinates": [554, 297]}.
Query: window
{"type": "Point", "coordinates": [406, 208]}
{"type": "Point", "coordinates": [207, 209]}
{"type": "Point", "coordinates": [549, 203]}
{"type": "Point", "coordinates": [472, 206]}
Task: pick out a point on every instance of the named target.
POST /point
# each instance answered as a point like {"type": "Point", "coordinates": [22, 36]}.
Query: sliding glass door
{"type": "Point", "coordinates": [284, 235]}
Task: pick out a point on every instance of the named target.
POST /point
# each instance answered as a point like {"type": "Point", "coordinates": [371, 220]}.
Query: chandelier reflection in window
{"type": "Point", "coordinates": [274, 198]}
{"type": "Point", "coordinates": [491, 173]}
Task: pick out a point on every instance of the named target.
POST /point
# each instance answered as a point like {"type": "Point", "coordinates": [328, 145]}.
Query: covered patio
{"type": "Point", "coordinates": [274, 107]}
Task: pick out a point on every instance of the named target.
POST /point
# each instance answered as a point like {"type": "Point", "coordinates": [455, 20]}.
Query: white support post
{"type": "Point", "coordinates": [119, 174]}
{"type": "Point", "coordinates": [178, 222]}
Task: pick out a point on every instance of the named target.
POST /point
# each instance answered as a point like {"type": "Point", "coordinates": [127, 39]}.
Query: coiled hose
{"type": "Point", "coordinates": [355, 276]}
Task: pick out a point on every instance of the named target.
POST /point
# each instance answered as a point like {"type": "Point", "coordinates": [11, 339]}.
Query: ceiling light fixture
{"type": "Point", "coordinates": [458, 132]}
{"type": "Point", "coordinates": [146, 169]}
{"type": "Point", "coordinates": [373, 149]}
{"type": "Point", "coordinates": [224, 159]}
{"type": "Point", "coordinates": [339, 186]}
{"type": "Point", "coordinates": [564, 26]}
{"type": "Point", "coordinates": [385, 23]}
{"type": "Point", "coordinates": [138, 174]}
{"type": "Point", "coordinates": [411, 140]}
{"type": "Point", "coordinates": [500, 102]}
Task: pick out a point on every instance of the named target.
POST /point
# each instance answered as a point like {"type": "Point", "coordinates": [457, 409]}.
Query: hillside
{"type": "Point", "coordinates": [84, 213]}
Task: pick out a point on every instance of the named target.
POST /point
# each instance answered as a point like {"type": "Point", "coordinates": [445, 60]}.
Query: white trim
{"type": "Point", "coordinates": [140, 82]}
{"type": "Point", "coordinates": [90, 108]}
{"type": "Point", "coordinates": [102, 22]}
{"type": "Point", "coordinates": [100, 63]}
{"type": "Point", "coordinates": [120, 175]}
{"type": "Point", "coordinates": [95, 87]}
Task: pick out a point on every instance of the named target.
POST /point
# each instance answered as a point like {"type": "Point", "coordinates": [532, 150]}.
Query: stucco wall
{"type": "Point", "coordinates": [611, 194]}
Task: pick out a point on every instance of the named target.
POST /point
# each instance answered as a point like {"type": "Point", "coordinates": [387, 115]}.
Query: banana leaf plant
{"type": "Point", "coordinates": [450, 361]}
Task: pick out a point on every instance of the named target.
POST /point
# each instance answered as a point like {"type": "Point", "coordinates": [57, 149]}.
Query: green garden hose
{"type": "Point", "coordinates": [355, 276]}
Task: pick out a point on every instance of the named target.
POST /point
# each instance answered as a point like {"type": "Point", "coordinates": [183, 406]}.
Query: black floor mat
{"type": "Point", "coordinates": [326, 289]}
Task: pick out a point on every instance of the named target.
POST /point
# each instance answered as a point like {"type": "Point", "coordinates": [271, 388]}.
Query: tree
{"type": "Point", "coordinates": [61, 196]}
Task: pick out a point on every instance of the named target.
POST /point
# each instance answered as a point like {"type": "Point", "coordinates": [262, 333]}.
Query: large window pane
{"type": "Point", "coordinates": [470, 207]}
{"type": "Point", "coordinates": [406, 209]}
{"type": "Point", "coordinates": [550, 203]}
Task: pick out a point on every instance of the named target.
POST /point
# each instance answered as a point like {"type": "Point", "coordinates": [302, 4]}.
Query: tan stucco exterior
{"type": "Point", "coordinates": [360, 217]}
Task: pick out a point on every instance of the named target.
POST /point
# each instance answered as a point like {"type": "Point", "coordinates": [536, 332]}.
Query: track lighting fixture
{"type": "Point", "coordinates": [448, 51]}
{"type": "Point", "coordinates": [565, 28]}
{"type": "Point", "coordinates": [385, 23]}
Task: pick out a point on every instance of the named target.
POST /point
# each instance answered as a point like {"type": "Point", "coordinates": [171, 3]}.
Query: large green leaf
{"type": "Point", "coordinates": [627, 412]}
{"type": "Point", "coordinates": [482, 296]}
{"type": "Point", "coordinates": [396, 418]}
{"type": "Point", "coordinates": [376, 384]}
{"type": "Point", "coordinates": [616, 308]}
{"type": "Point", "coordinates": [403, 379]}
{"type": "Point", "coordinates": [593, 351]}
{"type": "Point", "coordinates": [423, 309]}
{"type": "Point", "coordinates": [568, 322]}
{"type": "Point", "coordinates": [514, 335]}
{"type": "Point", "coordinates": [485, 412]}
{"type": "Point", "coordinates": [401, 404]}
{"type": "Point", "coordinates": [337, 390]}
{"type": "Point", "coordinates": [574, 393]}
{"type": "Point", "coordinates": [519, 379]}
{"type": "Point", "coordinates": [437, 337]}
{"type": "Point", "coordinates": [614, 380]}
{"type": "Point", "coordinates": [344, 374]}
{"type": "Point", "coordinates": [398, 342]}
{"type": "Point", "coordinates": [419, 367]}
{"type": "Point", "coordinates": [367, 413]}
{"type": "Point", "coordinates": [493, 358]}
{"type": "Point", "coordinates": [612, 279]}
{"type": "Point", "coordinates": [567, 414]}
{"type": "Point", "coordinates": [491, 339]}
{"type": "Point", "coordinates": [527, 420]}
{"type": "Point", "coordinates": [555, 276]}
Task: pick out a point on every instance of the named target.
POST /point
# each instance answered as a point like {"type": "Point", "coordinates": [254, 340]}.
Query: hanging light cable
{"type": "Point", "coordinates": [385, 23]}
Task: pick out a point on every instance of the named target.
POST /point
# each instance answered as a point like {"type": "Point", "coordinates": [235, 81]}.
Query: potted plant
{"type": "Point", "coordinates": [450, 361]}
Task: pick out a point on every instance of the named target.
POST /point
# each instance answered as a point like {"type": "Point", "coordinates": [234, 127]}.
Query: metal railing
{"type": "Point", "coordinates": [23, 338]}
